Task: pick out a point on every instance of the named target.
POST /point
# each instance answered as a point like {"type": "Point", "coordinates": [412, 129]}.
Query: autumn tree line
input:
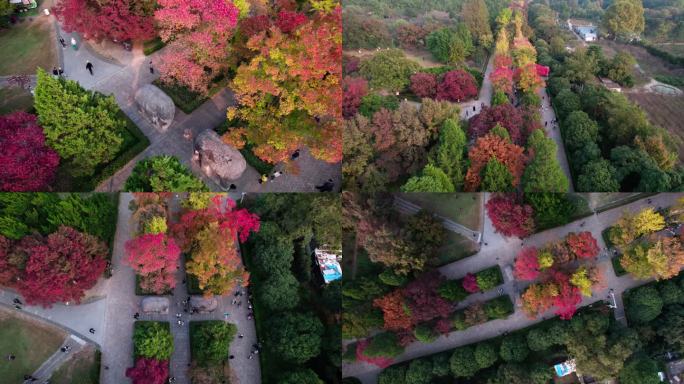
{"type": "Point", "coordinates": [503, 148]}
{"type": "Point", "coordinates": [610, 143]}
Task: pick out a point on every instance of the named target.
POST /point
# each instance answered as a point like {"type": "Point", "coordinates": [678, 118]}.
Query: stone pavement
{"type": "Point", "coordinates": [122, 80]}
{"type": "Point", "coordinates": [76, 319]}
{"type": "Point", "coordinates": [552, 130]}
{"type": "Point", "coordinates": [502, 252]}
{"type": "Point", "coordinates": [45, 371]}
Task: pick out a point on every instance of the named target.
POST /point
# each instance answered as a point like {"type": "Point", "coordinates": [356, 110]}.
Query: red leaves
{"type": "Point", "coordinates": [470, 283]}
{"type": "Point", "coordinates": [254, 25]}
{"type": "Point", "coordinates": [114, 20]}
{"type": "Point", "coordinates": [505, 114]}
{"type": "Point", "coordinates": [60, 267]}
{"type": "Point", "coordinates": [355, 88]}
{"type": "Point", "coordinates": [528, 79]}
{"type": "Point", "coordinates": [393, 311]}
{"type": "Point", "coordinates": [527, 264]}
{"type": "Point", "coordinates": [502, 80]}
{"type": "Point", "coordinates": [582, 244]}
{"type": "Point", "coordinates": [509, 217]}
{"type": "Point", "coordinates": [148, 371]}
{"type": "Point", "coordinates": [154, 257]}
{"type": "Point", "coordinates": [457, 86]}
{"type": "Point", "coordinates": [492, 146]}
{"type": "Point", "coordinates": [27, 163]}
{"type": "Point", "coordinates": [289, 21]}
{"type": "Point", "coordinates": [416, 303]}
{"type": "Point", "coordinates": [568, 297]}
{"type": "Point", "coordinates": [502, 61]}
{"type": "Point", "coordinates": [424, 84]}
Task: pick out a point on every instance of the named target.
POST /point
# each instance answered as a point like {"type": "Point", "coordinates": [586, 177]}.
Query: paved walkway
{"type": "Point", "coordinates": [45, 371]}
{"type": "Point", "coordinates": [552, 130]}
{"type": "Point", "coordinates": [76, 319]}
{"type": "Point", "coordinates": [122, 80]}
{"type": "Point", "coordinates": [501, 251]}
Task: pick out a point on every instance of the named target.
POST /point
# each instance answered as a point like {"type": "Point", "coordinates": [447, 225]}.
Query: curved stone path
{"type": "Point", "coordinates": [497, 250]}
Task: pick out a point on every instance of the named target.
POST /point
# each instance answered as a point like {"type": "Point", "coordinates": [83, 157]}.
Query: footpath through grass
{"type": "Point", "coordinates": [462, 208]}
{"type": "Point", "coordinates": [30, 341]}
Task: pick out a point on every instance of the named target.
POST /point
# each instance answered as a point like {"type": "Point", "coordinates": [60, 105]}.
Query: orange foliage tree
{"type": "Point", "coordinates": [289, 95]}
{"type": "Point", "coordinates": [493, 146]}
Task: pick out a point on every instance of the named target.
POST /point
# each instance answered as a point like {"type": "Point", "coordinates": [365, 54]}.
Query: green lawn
{"type": "Point", "coordinates": [82, 368]}
{"type": "Point", "coordinates": [455, 248]}
{"type": "Point", "coordinates": [15, 99]}
{"type": "Point", "coordinates": [28, 45]}
{"type": "Point", "coordinates": [463, 208]}
{"type": "Point", "coordinates": [31, 342]}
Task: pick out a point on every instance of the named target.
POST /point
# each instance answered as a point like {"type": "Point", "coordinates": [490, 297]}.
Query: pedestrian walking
{"type": "Point", "coordinates": [473, 108]}
{"type": "Point", "coordinates": [17, 306]}
{"type": "Point", "coordinates": [546, 123]}
{"type": "Point", "coordinates": [17, 301]}
{"type": "Point", "coordinates": [231, 357]}
{"type": "Point", "coordinates": [136, 316]}
{"type": "Point", "coordinates": [89, 67]}
{"type": "Point", "coordinates": [151, 68]}
{"type": "Point", "coordinates": [240, 336]}
{"type": "Point", "coordinates": [61, 41]}
{"type": "Point", "coordinates": [55, 72]}
{"type": "Point", "coordinates": [295, 154]}
{"type": "Point", "coordinates": [263, 179]}
{"type": "Point", "coordinates": [60, 71]}
{"type": "Point", "coordinates": [232, 187]}
{"type": "Point", "coordinates": [92, 330]}
{"type": "Point", "coordinates": [74, 45]}
{"type": "Point", "coordinates": [276, 174]}
{"type": "Point", "coordinates": [11, 357]}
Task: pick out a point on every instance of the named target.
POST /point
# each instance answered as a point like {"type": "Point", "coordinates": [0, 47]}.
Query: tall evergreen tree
{"type": "Point", "coordinates": [543, 173]}
{"type": "Point", "coordinates": [449, 153]}
{"type": "Point", "coordinates": [82, 126]}
{"type": "Point", "coordinates": [476, 17]}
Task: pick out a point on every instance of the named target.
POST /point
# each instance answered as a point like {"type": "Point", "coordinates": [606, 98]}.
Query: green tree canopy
{"type": "Point", "coordinates": [83, 127]}
{"type": "Point", "coordinates": [163, 174]}
{"type": "Point", "coordinates": [543, 173]}
{"type": "Point", "coordinates": [296, 337]}
{"type": "Point", "coordinates": [451, 46]}
{"type": "Point", "coordinates": [153, 340]}
{"type": "Point", "coordinates": [211, 340]}
{"type": "Point", "coordinates": [624, 18]}
{"type": "Point", "coordinates": [388, 69]}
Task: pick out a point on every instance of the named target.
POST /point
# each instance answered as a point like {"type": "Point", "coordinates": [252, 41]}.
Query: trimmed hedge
{"type": "Point", "coordinates": [152, 46]}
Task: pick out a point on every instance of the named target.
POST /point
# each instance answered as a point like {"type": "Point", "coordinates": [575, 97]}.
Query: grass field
{"type": "Point", "coordinates": [457, 247]}
{"type": "Point", "coordinates": [651, 65]}
{"type": "Point", "coordinates": [28, 45]}
{"type": "Point", "coordinates": [675, 49]}
{"type": "Point", "coordinates": [31, 342]}
{"type": "Point", "coordinates": [82, 368]}
{"type": "Point", "coordinates": [463, 208]}
{"type": "Point", "coordinates": [665, 111]}
{"type": "Point", "coordinates": [14, 99]}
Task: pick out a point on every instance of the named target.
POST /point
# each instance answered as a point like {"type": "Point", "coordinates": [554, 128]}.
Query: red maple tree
{"type": "Point", "coordinates": [470, 283]}
{"type": "Point", "coordinates": [355, 88]}
{"type": "Point", "coordinates": [254, 25]}
{"type": "Point", "coordinates": [149, 371]}
{"type": "Point", "coordinates": [505, 114]}
{"type": "Point", "coordinates": [288, 21]}
{"type": "Point", "coordinates": [582, 244]}
{"type": "Point", "coordinates": [61, 267]}
{"type": "Point", "coordinates": [424, 84]}
{"type": "Point", "coordinates": [423, 300]}
{"type": "Point", "coordinates": [502, 61]}
{"type": "Point", "coordinates": [27, 163]}
{"type": "Point", "coordinates": [154, 256]}
{"type": "Point", "coordinates": [114, 19]}
{"type": "Point", "coordinates": [457, 86]}
{"type": "Point", "coordinates": [568, 297]}
{"type": "Point", "coordinates": [502, 80]}
{"type": "Point", "coordinates": [489, 147]}
{"type": "Point", "coordinates": [509, 217]}
{"type": "Point", "coordinates": [527, 264]}
{"type": "Point", "coordinates": [197, 34]}
{"type": "Point", "coordinates": [8, 269]}
{"type": "Point", "coordinates": [394, 311]}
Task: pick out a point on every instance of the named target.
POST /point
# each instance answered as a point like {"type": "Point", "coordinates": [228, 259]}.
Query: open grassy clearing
{"type": "Point", "coordinates": [82, 368]}
{"type": "Point", "coordinates": [665, 111]}
{"type": "Point", "coordinates": [463, 208]}
{"type": "Point", "coordinates": [455, 248]}
{"type": "Point", "coordinates": [30, 341]}
{"type": "Point", "coordinates": [26, 46]}
{"type": "Point", "coordinates": [14, 99]}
